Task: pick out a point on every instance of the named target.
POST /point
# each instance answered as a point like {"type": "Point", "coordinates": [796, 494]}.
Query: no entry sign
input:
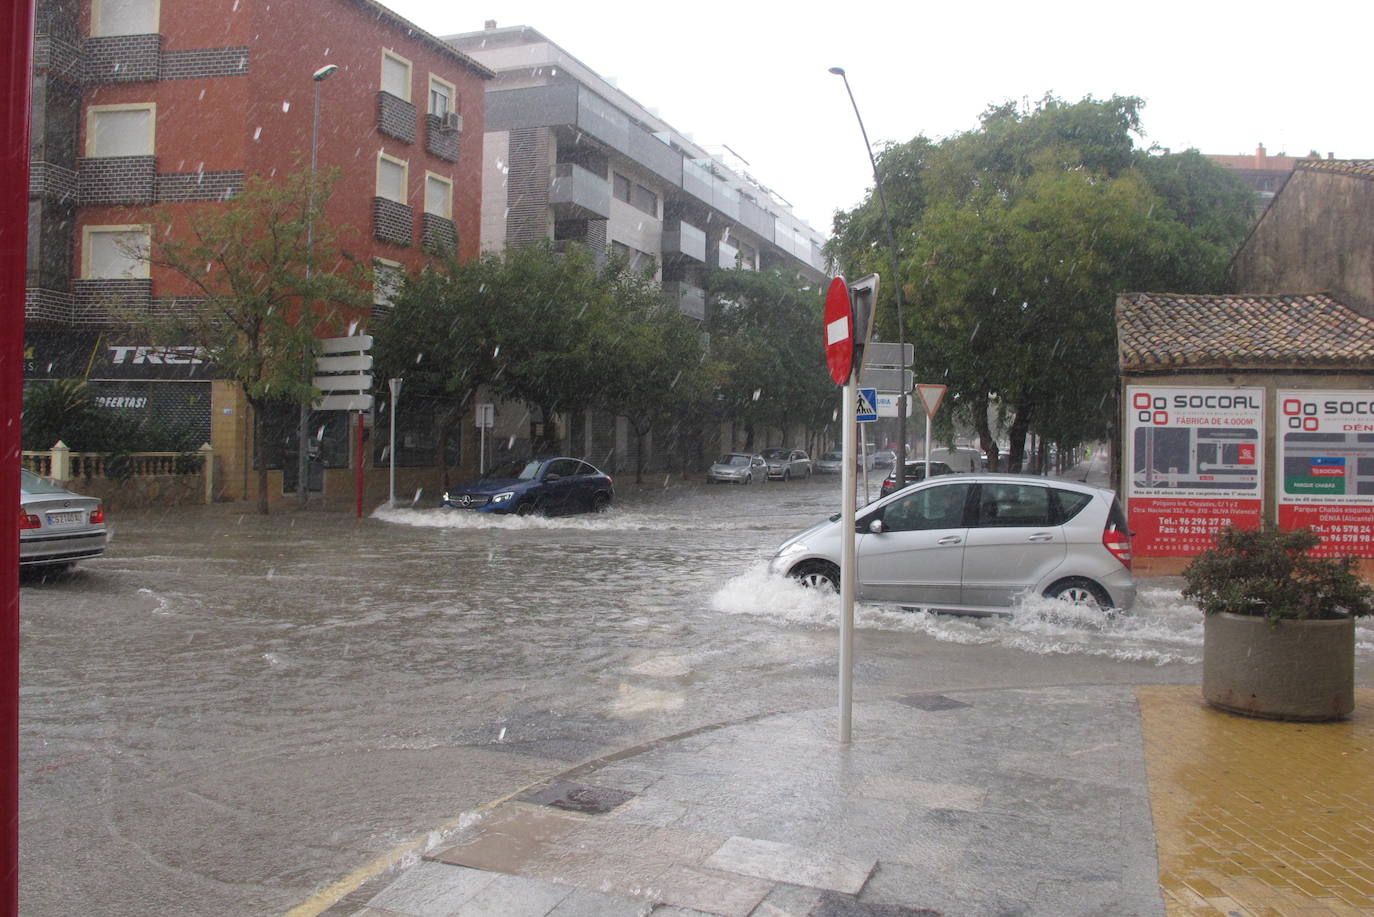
{"type": "Point", "coordinates": [839, 331]}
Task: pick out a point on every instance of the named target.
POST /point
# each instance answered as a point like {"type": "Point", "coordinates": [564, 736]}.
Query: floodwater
{"type": "Point", "coordinates": [229, 712]}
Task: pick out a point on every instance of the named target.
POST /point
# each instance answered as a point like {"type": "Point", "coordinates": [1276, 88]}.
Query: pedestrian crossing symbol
{"type": "Point", "coordinates": [867, 410]}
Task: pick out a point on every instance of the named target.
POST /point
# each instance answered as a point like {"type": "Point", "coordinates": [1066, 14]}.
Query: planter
{"type": "Point", "coordinates": [1299, 670]}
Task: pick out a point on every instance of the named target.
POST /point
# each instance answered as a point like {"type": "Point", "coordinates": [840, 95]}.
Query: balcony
{"type": "Point", "coordinates": [727, 256]}
{"type": "Point", "coordinates": [686, 240]}
{"type": "Point", "coordinates": [690, 300]}
{"type": "Point", "coordinates": [577, 194]}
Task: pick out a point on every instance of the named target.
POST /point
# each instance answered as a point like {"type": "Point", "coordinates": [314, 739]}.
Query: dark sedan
{"type": "Point", "coordinates": [547, 487]}
{"type": "Point", "coordinates": [915, 471]}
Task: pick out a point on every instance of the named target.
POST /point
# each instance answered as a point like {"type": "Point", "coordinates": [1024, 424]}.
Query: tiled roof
{"type": "Point", "coordinates": [1245, 331]}
{"type": "Point", "coordinates": [1360, 168]}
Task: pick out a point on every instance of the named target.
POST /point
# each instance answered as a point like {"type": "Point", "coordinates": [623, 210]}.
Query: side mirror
{"type": "Point", "coordinates": [553, 476]}
{"type": "Point", "coordinates": [875, 526]}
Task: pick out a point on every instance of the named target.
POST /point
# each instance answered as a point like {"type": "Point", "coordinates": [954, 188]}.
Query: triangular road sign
{"type": "Point", "coordinates": [931, 396]}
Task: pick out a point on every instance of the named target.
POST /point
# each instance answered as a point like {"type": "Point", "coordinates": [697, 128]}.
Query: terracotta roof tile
{"type": "Point", "coordinates": [1360, 168]}
{"type": "Point", "coordinates": [1251, 331]}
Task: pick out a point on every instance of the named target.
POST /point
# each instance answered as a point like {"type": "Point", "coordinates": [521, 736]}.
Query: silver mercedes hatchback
{"type": "Point", "coordinates": [977, 543]}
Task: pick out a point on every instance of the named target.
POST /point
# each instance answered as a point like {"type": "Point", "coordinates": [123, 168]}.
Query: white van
{"type": "Point", "coordinates": [962, 459]}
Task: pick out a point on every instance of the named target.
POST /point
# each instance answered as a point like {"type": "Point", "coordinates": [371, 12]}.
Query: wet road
{"type": "Point", "coordinates": [228, 712]}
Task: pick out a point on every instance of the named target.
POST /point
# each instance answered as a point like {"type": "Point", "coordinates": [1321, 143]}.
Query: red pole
{"type": "Point", "coordinates": [14, 220]}
{"type": "Point", "coordinates": [358, 465]}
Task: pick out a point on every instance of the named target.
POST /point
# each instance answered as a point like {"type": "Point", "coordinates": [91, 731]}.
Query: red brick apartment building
{"type": "Point", "coordinates": [144, 104]}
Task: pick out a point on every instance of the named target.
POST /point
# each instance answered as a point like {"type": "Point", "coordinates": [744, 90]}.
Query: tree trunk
{"type": "Point", "coordinates": [1020, 426]}
{"type": "Point", "coordinates": [259, 460]}
{"type": "Point", "coordinates": [985, 437]}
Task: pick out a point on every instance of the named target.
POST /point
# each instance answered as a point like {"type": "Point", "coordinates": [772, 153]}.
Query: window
{"type": "Point", "coordinates": [391, 178]}
{"type": "Point", "coordinates": [1013, 505]}
{"type": "Point", "coordinates": [620, 187]}
{"type": "Point", "coordinates": [441, 96]}
{"type": "Point", "coordinates": [114, 252]}
{"type": "Point", "coordinates": [929, 508]}
{"type": "Point", "coordinates": [124, 17]}
{"type": "Point", "coordinates": [643, 199]}
{"type": "Point", "coordinates": [120, 130]}
{"type": "Point", "coordinates": [387, 277]}
{"type": "Point", "coordinates": [396, 75]}
{"type": "Point", "coordinates": [438, 196]}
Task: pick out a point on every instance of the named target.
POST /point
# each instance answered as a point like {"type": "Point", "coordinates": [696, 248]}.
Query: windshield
{"type": "Point", "coordinates": [733, 459]}
{"type": "Point", "coordinates": [775, 453]}
{"type": "Point", "coordinates": [31, 483]}
{"type": "Point", "coordinates": [832, 457]}
{"type": "Point", "coordinates": [515, 468]}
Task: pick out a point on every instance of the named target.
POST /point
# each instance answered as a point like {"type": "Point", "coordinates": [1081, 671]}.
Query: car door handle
{"type": "Point", "coordinates": [950, 539]}
{"type": "Point", "coordinates": [1041, 536]}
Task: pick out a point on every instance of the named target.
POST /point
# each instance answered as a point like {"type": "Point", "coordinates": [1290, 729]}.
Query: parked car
{"type": "Point", "coordinates": [831, 462]}
{"type": "Point", "coordinates": [737, 468]}
{"type": "Point", "coordinates": [915, 471]}
{"type": "Point", "coordinates": [57, 527]}
{"type": "Point", "coordinates": [547, 486]}
{"type": "Point", "coordinates": [977, 542]}
{"type": "Point", "coordinates": [884, 458]}
{"type": "Point", "coordinates": [785, 464]}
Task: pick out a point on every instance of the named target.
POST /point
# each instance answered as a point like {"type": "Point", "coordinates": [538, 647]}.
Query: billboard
{"type": "Point", "coordinates": [1326, 468]}
{"type": "Point", "coordinates": [1195, 463]}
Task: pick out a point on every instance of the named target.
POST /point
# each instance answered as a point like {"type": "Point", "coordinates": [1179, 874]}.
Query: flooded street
{"type": "Point", "coordinates": [229, 712]}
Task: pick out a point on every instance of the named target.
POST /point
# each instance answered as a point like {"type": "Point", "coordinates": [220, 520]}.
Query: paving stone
{"type": "Point", "coordinates": [723, 893]}
{"type": "Point", "coordinates": [645, 810]}
{"type": "Point", "coordinates": [931, 702]}
{"type": "Point", "coordinates": [924, 793]}
{"type": "Point", "coordinates": [432, 890]}
{"type": "Point", "coordinates": [509, 838]}
{"type": "Point", "coordinates": [584, 902]}
{"type": "Point", "coordinates": [786, 863]}
{"type": "Point", "coordinates": [514, 896]}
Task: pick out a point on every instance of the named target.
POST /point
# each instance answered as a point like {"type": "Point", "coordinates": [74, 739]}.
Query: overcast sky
{"type": "Point", "coordinates": [753, 74]}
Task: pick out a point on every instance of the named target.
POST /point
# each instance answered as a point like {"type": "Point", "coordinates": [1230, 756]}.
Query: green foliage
{"type": "Point", "coordinates": [64, 410]}
{"type": "Point", "coordinates": [1271, 573]}
{"type": "Point", "coordinates": [1014, 240]}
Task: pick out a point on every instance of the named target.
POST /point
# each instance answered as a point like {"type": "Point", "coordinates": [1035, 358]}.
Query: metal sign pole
{"type": "Point", "coordinates": [848, 568]}
{"type": "Point", "coordinates": [928, 422]}
{"type": "Point", "coordinates": [395, 386]}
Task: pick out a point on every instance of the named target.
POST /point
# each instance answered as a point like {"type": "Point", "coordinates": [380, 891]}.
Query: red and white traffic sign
{"type": "Point", "coordinates": [931, 396]}
{"type": "Point", "coordinates": [839, 331]}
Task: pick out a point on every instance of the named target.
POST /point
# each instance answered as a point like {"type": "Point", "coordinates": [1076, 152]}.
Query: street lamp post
{"type": "Point", "coordinates": [303, 429]}
{"type": "Point", "coordinates": [900, 470]}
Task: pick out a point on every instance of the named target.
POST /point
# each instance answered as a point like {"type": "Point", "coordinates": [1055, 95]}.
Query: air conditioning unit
{"type": "Point", "coordinates": [453, 121]}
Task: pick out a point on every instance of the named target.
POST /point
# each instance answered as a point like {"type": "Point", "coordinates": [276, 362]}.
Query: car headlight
{"type": "Point", "coordinates": [794, 547]}
{"type": "Point", "coordinates": [502, 497]}
{"type": "Point", "coordinates": [446, 496]}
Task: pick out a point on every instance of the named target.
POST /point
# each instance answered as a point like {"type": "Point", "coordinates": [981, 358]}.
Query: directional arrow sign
{"type": "Point", "coordinates": [347, 364]}
{"type": "Point", "coordinates": [344, 403]}
{"type": "Point", "coordinates": [354, 343]}
{"type": "Point", "coordinates": [883, 353]}
{"type": "Point", "coordinates": [352, 382]}
{"type": "Point", "coordinates": [887, 380]}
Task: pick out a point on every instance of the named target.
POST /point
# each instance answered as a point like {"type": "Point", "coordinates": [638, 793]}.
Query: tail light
{"type": "Point", "coordinates": [98, 515]}
{"type": "Point", "coordinates": [28, 521]}
{"type": "Point", "coordinates": [1119, 543]}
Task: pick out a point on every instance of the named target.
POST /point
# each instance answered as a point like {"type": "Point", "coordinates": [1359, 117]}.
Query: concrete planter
{"type": "Point", "coordinates": [1299, 670]}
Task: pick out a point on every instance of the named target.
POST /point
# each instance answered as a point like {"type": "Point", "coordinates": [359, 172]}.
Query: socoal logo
{"type": "Point", "coordinates": [1300, 414]}
{"type": "Point", "coordinates": [1150, 409]}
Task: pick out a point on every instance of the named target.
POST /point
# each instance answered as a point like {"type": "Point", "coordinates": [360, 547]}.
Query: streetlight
{"type": "Point", "coordinates": [303, 429]}
{"type": "Point", "coordinates": [900, 470]}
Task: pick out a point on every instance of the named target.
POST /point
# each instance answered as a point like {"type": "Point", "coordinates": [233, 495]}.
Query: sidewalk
{"type": "Point", "coordinates": [1048, 801]}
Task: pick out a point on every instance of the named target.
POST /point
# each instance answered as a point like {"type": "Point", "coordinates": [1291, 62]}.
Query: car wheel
{"type": "Point", "coordinates": [529, 508]}
{"type": "Point", "coordinates": [600, 503]}
{"type": "Point", "coordinates": [1078, 591]}
{"type": "Point", "coordinates": [817, 574]}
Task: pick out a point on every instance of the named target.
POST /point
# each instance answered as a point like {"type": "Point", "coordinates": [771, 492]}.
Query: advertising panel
{"type": "Point", "coordinates": [1326, 462]}
{"type": "Point", "coordinates": [1196, 463]}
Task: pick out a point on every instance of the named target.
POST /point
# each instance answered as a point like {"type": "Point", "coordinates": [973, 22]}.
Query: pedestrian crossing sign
{"type": "Point", "coordinates": [867, 410]}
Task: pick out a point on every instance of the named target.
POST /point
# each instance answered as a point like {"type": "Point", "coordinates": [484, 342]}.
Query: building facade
{"type": "Point", "coordinates": [568, 158]}
{"type": "Point", "coordinates": [144, 109]}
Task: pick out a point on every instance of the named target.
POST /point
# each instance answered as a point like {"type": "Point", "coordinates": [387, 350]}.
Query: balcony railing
{"type": "Point", "coordinates": [578, 194]}
{"type": "Point", "coordinates": [686, 240]}
{"type": "Point", "coordinates": [689, 299]}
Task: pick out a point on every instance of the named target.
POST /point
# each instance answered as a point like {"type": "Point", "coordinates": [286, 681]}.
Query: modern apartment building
{"type": "Point", "coordinates": [568, 157]}
{"type": "Point", "coordinates": [144, 107]}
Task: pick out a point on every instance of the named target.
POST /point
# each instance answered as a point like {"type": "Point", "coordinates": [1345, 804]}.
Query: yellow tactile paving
{"type": "Point", "coordinates": [1255, 818]}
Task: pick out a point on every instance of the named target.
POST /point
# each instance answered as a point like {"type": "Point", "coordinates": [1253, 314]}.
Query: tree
{"type": "Point", "coordinates": [1016, 238]}
{"type": "Point", "coordinates": [765, 330]}
{"type": "Point", "coordinates": [259, 289]}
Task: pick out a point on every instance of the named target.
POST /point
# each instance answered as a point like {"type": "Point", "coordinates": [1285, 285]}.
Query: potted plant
{"type": "Point", "coordinates": [1279, 632]}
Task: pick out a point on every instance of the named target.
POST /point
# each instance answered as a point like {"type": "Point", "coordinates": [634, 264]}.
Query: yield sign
{"type": "Point", "coordinates": [931, 395]}
{"type": "Point", "coordinates": [839, 331]}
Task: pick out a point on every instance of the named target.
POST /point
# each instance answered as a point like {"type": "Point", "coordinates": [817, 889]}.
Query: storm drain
{"type": "Point", "coordinates": [931, 702]}
{"type": "Point", "coordinates": [578, 797]}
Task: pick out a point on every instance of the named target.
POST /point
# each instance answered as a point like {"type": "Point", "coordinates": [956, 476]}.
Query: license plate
{"type": "Point", "coordinates": [72, 518]}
